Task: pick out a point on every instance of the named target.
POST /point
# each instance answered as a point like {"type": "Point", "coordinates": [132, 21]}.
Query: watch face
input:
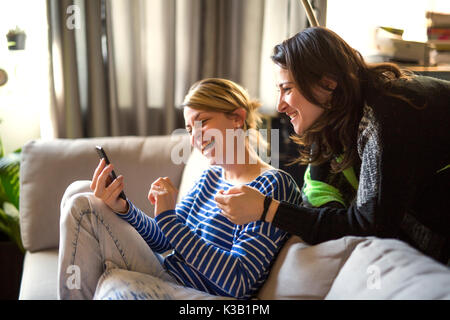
{"type": "Point", "coordinates": [3, 77]}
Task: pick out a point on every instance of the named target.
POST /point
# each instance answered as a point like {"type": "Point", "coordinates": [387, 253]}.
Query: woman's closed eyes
{"type": "Point", "coordinates": [202, 123]}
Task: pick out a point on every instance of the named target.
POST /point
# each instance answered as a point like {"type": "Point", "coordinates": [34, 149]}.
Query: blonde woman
{"type": "Point", "coordinates": [209, 253]}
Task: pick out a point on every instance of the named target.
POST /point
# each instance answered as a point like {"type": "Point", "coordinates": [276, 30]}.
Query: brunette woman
{"type": "Point", "coordinates": [381, 134]}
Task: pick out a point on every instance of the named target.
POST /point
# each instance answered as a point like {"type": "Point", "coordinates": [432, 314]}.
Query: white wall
{"type": "Point", "coordinates": [24, 99]}
{"type": "Point", "coordinates": [355, 20]}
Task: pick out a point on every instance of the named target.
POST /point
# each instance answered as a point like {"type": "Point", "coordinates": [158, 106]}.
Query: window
{"type": "Point", "coordinates": [24, 99]}
{"type": "Point", "coordinates": [355, 20]}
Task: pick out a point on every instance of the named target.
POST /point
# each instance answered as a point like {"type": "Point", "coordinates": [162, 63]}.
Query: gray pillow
{"type": "Point", "coordinates": [390, 269]}
{"type": "Point", "coordinates": [302, 271]}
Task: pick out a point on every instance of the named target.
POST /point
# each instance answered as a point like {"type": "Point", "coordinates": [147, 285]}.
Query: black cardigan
{"type": "Point", "coordinates": [402, 193]}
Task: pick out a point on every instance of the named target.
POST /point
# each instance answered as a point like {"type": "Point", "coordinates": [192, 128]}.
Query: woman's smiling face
{"type": "Point", "coordinates": [291, 102]}
{"type": "Point", "coordinates": [208, 132]}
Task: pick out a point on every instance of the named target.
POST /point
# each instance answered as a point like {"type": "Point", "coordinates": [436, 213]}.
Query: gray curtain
{"type": "Point", "coordinates": [123, 67]}
{"type": "Point", "coordinates": [79, 82]}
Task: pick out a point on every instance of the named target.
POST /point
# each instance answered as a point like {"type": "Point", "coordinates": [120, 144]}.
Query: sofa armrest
{"type": "Point", "coordinates": [48, 167]}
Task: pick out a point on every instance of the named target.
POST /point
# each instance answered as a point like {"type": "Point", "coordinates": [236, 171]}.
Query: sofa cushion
{"type": "Point", "coordinates": [48, 167]}
{"type": "Point", "coordinates": [390, 269]}
{"type": "Point", "coordinates": [302, 271]}
{"type": "Point", "coordinates": [39, 275]}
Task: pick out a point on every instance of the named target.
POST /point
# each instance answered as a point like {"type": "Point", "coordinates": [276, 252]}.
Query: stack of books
{"type": "Point", "coordinates": [390, 46]}
{"type": "Point", "coordinates": [438, 32]}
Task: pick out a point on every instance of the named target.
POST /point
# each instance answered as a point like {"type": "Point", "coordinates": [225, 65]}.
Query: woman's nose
{"type": "Point", "coordinates": [196, 136]}
{"type": "Point", "coordinates": [281, 104]}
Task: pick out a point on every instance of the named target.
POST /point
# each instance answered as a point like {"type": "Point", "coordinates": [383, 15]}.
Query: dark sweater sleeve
{"type": "Point", "coordinates": [315, 225]}
{"type": "Point", "coordinates": [361, 218]}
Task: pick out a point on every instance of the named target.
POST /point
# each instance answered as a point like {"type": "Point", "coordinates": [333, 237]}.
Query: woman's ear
{"type": "Point", "coordinates": [328, 83]}
{"type": "Point", "coordinates": [238, 116]}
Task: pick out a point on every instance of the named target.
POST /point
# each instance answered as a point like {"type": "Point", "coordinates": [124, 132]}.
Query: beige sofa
{"type": "Point", "coordinates": [347, 268]}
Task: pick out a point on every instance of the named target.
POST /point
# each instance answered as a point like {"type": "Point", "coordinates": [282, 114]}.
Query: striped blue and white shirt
{"type": "Point", "coordinates": [209, 252]}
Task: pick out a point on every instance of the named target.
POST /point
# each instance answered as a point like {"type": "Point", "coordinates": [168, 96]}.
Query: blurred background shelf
{"type": "Point", "coordinates": [440, 72]}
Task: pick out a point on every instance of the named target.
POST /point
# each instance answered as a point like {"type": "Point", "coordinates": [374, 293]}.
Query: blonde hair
{"type": "Point", "coordinates": [222, 95]}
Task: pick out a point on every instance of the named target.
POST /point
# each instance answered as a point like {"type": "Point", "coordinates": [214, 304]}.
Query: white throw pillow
{"type": "Point", "coordinates": [390, 269]}
{"type": "Point", "coordinates": [302, 271]}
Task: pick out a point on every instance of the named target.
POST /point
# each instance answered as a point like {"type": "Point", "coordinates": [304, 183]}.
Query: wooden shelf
{"type": "Point", "coordinates": [439, 72]}
{"type": "Point", "coordinates": [428, 69]}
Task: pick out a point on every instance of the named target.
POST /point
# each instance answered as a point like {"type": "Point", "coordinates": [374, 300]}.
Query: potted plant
{"type": "Point", "coordinates": [16, 39]}
{"type": "Point", "coordinates": [11, 248]}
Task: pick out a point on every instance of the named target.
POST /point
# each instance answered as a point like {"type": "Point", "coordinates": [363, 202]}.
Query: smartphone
{"type": "Point", "coordinates": [102, 154]}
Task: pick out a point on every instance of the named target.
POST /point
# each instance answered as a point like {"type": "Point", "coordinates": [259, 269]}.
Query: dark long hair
{"type": "Point", "coordinates": [318, 52]}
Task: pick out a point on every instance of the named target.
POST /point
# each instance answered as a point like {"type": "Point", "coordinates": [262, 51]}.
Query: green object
{"type": "Point", "coordinates": [319, 193]}
{"type": "Point", "coordinates": [443, 169]}
{"type": "Point", "coordinates": [9, 195]}
{"type": "Point", "coordinates": [396, 31]}
{"type": "Point", "coordinates": [349, 174]}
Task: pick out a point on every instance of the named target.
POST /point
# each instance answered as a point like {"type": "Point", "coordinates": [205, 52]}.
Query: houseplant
{"type": "Point", "coordinates": [11, 248]}
{"type": "Point", "coordinates": [16, 39]}
{"type": "Point", "coordinates": [9, 195]}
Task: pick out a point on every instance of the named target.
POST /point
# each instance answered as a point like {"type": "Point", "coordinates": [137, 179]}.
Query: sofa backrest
{"type": "Point", "coordinates": [195, 166]}
{"type": "Point", "coordinates": [48, 167]}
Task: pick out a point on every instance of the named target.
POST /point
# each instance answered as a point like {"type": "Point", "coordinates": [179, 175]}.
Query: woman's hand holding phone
{"type": "Point", "coordinates": [106, 190]}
